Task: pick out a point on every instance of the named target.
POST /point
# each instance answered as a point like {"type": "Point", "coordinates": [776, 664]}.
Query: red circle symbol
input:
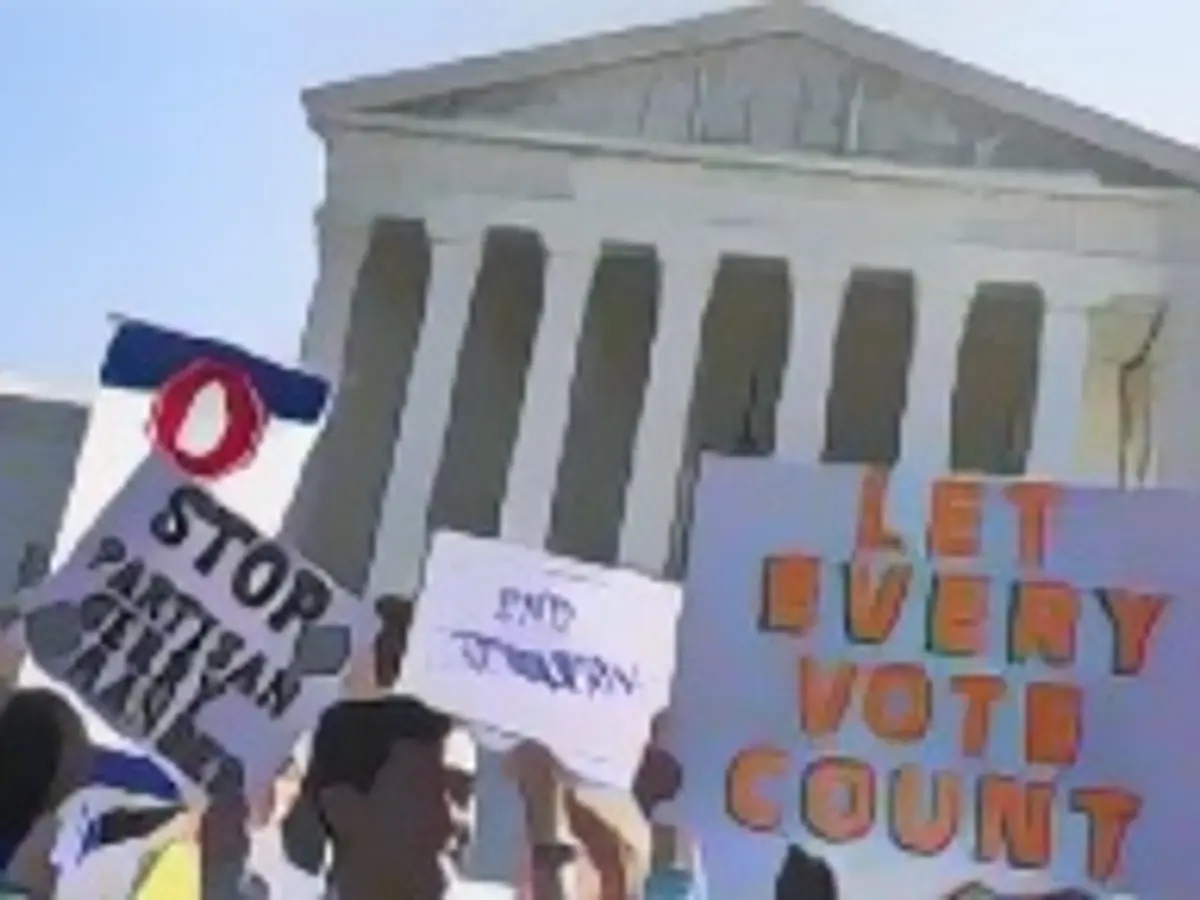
{"type": "Point", "coordinates": [245, 418]}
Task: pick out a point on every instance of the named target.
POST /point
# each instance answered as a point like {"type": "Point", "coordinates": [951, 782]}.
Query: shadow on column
{"type": "Point", "coordinates": [996, 387]}
{"type": "Point", "coordinates": [611, 370]}
{"type": "Point", "coordinates": [489, 384]}
{"type": "Point", "coordinates": [743, 349]}
{"type": "Point", "coordinates": [347, 473]}
{"type": "Point", "coordinates": [868, 391]}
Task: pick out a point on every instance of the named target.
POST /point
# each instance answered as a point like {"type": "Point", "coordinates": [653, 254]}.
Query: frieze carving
{"type": "Point", "coordinates": [780, 94]}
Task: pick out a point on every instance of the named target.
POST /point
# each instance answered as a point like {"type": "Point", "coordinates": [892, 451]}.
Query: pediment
{"type": "Point", "coordinates": [777, 78]}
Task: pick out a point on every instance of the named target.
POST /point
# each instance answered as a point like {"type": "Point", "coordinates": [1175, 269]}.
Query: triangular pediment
{"type": "Point", "coordinates": [777, 77]}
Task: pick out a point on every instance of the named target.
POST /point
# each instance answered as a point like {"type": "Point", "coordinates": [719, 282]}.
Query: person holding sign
{"type": "Point", "coordinates": [61, 798]}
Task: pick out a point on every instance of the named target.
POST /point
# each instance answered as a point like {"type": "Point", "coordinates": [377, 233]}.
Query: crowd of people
{"type": "Point", "coordinates": [383, 811]}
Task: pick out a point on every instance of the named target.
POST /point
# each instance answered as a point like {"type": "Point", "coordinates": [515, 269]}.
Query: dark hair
{"type": "Point", "coordinates": [350, 746]}
{"type": "Point", "coordinates": [804, 877]}
{"type": "Point", "coordinates": [32, 735]}
{"type": "Point", "coordinates": [353, 739]}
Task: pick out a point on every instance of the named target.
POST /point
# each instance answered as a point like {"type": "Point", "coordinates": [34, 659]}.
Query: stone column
{"type": "Point", "coordinates": [1176, 426]}
{"type": "Point", "coordinates": [400, 539]}
{"type": "Point", "coordinates": [1062, 370]}
{"type": "Point", "coordinates": [818, 295]}
{"type": "Point", "coordinates": [545, 412]}
{"type": "Point", "coordinates": [943, 301]}
{"type": "Point", "coordinates": [343, 240]}
{"type": "Point", "coordinates": [686, 275]}
{"type": "Point", "coordinates": [525, 517]}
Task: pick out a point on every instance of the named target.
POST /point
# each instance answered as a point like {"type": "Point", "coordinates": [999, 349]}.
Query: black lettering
{"type": "Point", "coordinates": [562, 613]}
{"type": "Point", "coordinates": [186, 609]}
{"type": "Point", "coordinates": [144, 651]}
{"type": "Point", "coordinates": [627, 681]}
{"type": "Point", "coordinates": [476, 649]}
{"type": "Point", "coordinates": [156, 700]}
{"type": "Point", "coordinates": [170, 526]}
{"type": "Point", "coordinates": [114, 697]}
{"type": "Point", "coordinates": [260, 575]}
{"type": "Point", "coordinates": [556, 669]}
{"type": "Point", "coordinates": [171, 677]}
{"type": "Point", "coordinates": [307, 601]}
{"type": "Point", "coordinates": [246, 676]}
{"type": "Point", "coordinates": [110, 551]}
{"type": "Point", "coordinates": [126, 579]}
{"type": "Point", "coordinates": [115, 632]}
{"type": "Point", "coordinates": [227, 646]}
{"type": "Point", "coordinates": [210, 688]}
{"type": "Point", "coordinates": [229, 527]}
{"type": "Point", "coordinates": [565, 668]}
{"type": "Point", "coordinates": [155, 596]}
{"type": "Point", "coordinates": [280, 694]}
{"type": "Point", "coordinates": [193, 751]}
{"type": "Point", "coordinates": [531, 665]}
{"type": "Point", "coordinates": [95, 610]}
{"type": "Point", "coordinates": [510, 598]}
{"type": "Point", "coordinates": [85, 670]}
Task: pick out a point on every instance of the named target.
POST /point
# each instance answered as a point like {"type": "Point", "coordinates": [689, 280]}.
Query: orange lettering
{"type": "Point", "coordinates": [1033, 500]}
{"type": "Point", "coordinates": [958, 612]}
{"type": "Point", "coordinates": [1110, 812]}
{"type": "Point", "coordinates": [1043, 621]}
{"type": "Point", "coordinates": [837, 799]}
{"type": "Point", "coordinates": [791, 591]}
{"type": "Point", "coordinates": [1014, 821]}
{"type": "Point", "coordinates": [872, 610]}
{"type": "Point", "coordinates": [744, 802]}
{"type": "Point", "coordinates": [1053, 723]}
{"type": "Point", "coordinates": [897, 706]}
{"type": "Point", "coordinates": [824, 698]}
{"type": "Point", "coordinates": [873, 534]}
{"type": "Point", "coordinates": [1133, 617]}
{"type": "Point", "coordinates": [912, 828]}
{"type": "Point", "coordinates": [981, 693]}
{"type": "Point", "coordinates": [955, 515]}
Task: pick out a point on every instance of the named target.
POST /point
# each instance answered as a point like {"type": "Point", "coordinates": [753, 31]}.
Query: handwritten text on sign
{"type": "Point", "coordinates": [587, 674]}
{"type": "Point", "coordinates": [942, 686]}
{"type": "Point", "coordinates": [523, 641]}
{"type": "Point", "coordinates": [895, 700]}
{"type": "Point", "coordinates": [172, 603]}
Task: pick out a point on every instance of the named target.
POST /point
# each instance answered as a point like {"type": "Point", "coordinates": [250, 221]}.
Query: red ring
{"type": "Point", "coordinates": [245, 418]}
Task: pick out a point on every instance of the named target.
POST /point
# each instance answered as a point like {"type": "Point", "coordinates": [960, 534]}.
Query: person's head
{"type": "Point", "coordinates": [804, 877]}
{"type": "Point", "coordinates": [44, 757]}
{"type": "Point", "coordinates": [392, 783]}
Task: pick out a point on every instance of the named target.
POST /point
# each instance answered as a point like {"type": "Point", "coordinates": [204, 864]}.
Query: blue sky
{"type": "Point", "coordinates": [154, 158]}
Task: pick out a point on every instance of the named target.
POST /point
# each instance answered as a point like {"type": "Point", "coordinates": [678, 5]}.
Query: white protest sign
{"type": "Point", "coordinates": [190, 632]}
{"type": "Point", "coordinates": [576, 656]}
{"type": "Point", "coordinates": [240, 424]}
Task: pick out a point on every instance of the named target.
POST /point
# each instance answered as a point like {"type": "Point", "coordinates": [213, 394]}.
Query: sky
{"type": "Point", "coordinates": [155, 160]}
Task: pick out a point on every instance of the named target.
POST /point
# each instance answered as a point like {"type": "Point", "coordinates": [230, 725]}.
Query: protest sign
{"type": "Point", "coordinates": [240, 424]}
{"type": "Point", "coordinates": [538, 645]}
{"type": "Point", "coordinates": [193, 633]}
{"type": "Point", "coordinates": [935, 684]}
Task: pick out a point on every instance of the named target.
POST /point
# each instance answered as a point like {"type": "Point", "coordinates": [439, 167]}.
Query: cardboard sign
{"type": "Point", "coordinates": [194, 634]}
{"type": "Point", "coordinates": [934, 685]}
{"type": "Point", "coordinates": [576, 656]}
{"type": "Point", "coordinates": [240, 424]}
